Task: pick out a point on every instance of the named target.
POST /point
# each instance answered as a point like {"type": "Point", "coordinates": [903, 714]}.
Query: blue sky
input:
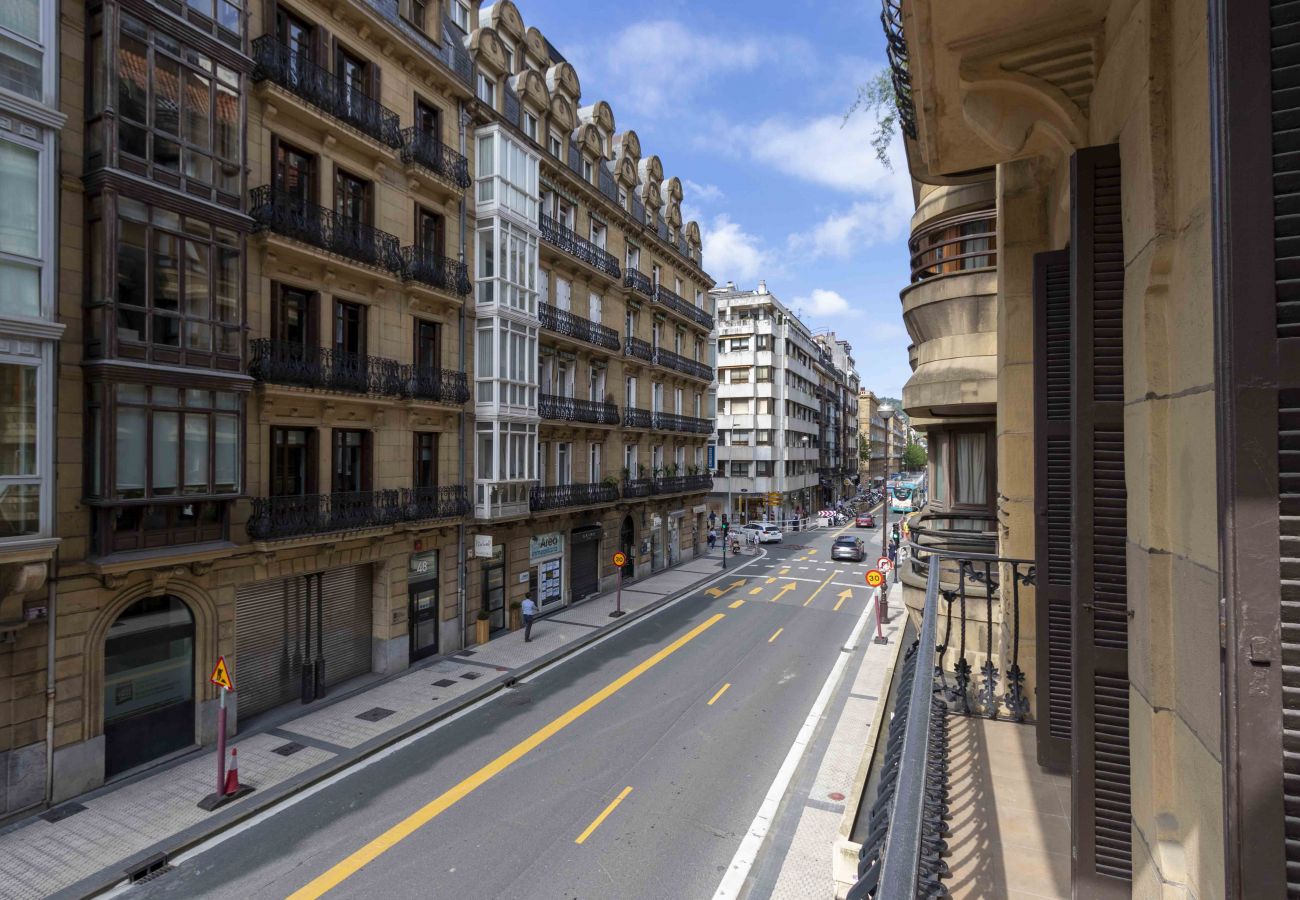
{"type": "Point", "coordinates": [744, 101]}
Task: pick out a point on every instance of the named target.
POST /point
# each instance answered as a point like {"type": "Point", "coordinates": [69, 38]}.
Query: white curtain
{"type": "Point", "coordinates": [971, 483]}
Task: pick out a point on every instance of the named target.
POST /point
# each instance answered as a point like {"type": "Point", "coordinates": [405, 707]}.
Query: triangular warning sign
{"type": "Point", "coordinates": [221, 675]}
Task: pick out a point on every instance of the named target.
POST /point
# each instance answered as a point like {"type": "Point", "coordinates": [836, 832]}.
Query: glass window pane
{"type": "Point", "coordinates": [166, 452]}
{"type": "Point", "coordinates": [227, 284]}
{"type": "Point", "coordinates": [20, 290]}
{"type": "Point", "coordinates": [132, 79]}
{"type": "Point", "coordinates": [167, 94]}
{"type": "Point", "coordinates": [20, 510]}
{"type": "Point", "coordinates": [18, 415]}
{"type": "Point", "coordinates": [22, 17]}
{"type": "Point", "coordinates": [198, 110]}
{"type": "Point", "coordinates": [196, 280]}
{"type": "Point", "coordinates": [166, 271]}
{"type": "Point", "coordinates": [19, 216]}
{"type": "Point", "coordinates": [196, 454]}
{"type": "Point", "coordinates": [227, 454]}
{"type": "Point", "coordinates": [130, 452]}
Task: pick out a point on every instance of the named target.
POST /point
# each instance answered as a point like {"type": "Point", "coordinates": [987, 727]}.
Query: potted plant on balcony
{"type": "Point", "coordinates": [516, 617]}
{"type": "Point", "coordinates": [481, 626]}
{"type": "Point", "coordinates": [626, 473]}
{"type": "Point", "coordinates": [610, 481]}
{"type": "Point", "coordinates": [692, 469]}
{"type": "Point", "coordinates": [670, 470]}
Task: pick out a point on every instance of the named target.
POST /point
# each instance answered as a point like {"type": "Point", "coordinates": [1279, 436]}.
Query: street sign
{"type": "Point", "coordinates": [875, 578]}
{"type": "Point", "coordinates": [620, 559]}
{"type": "Point", "coordinates": [883, 564]}
{"type": "Point", "coordinates": [221, 675]}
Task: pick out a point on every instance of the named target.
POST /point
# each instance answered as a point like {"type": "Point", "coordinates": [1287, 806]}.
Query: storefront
{"type": "Point", "coordinates": [546, 570]}
{"type": "Point", "coordinates": [494, 588]}
{"type": "Point", "coordinates": [675, 536]}
{"type": "Point", "coordinates": [423, 605]}
{"type": "Point", "coordinates": [656, 543]}
{"type": "Point", "coordinates": [584, 562]}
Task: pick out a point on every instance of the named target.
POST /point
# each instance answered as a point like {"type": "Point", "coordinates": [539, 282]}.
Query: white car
{"type": "Point", "coordinates": [766, 532]}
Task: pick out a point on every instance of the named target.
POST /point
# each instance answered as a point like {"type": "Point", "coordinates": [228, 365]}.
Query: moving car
{"type": "Point", "coordinates": [849, 547]}
{"type": "Point", "coordinates": [766, 531]}
{"type": "Point", "coordinates": [865, 520]}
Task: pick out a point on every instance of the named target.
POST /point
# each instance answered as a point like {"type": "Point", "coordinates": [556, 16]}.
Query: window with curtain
{"type": "Point", "coordinates": [970, 464]}
{"type": "Point", "coordinates": [939, 467]}
{"type": "Point", "coordinates": [20, 218]}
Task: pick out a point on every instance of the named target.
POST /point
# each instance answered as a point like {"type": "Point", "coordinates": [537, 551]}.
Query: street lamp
{"type": "Point", "coordinates": [886, 414]}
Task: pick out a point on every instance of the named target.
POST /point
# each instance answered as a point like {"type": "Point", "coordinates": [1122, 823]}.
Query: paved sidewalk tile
{"type": "Point", "coordinates": [38, 858]}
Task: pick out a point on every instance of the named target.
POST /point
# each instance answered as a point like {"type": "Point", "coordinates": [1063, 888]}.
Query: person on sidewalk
{"type": "Point", "coordinates": [529, 611]}
{"type": "Point", "coordinates": [713, 539]}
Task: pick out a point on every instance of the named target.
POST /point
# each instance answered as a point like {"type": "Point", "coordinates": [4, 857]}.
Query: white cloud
{"type": "Point", "coordinates": [731, 253]}
{"type": "Point", "coordinates": [701, 193]}
{"type": "Point", "coordinates": [824, 304]}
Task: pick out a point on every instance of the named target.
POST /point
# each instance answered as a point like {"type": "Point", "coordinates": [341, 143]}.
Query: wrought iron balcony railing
{"type": "Point", "coordinates": [424, 149]}
{"type": "Point", "coordinates": [559, 496]}
{"type": "Point", "coordinates": [902, 855]}
{"type": "Point", "coordinates": [670, 484]}
{"type": "Point", "coordinates": [639, 348]}
{"type": "Point", "coordinates": [283, 362]}
{"type": "Point", "coordinates": [561, 321]}
{"type": "Point", "coordinates": [438, 385]}
{"type": "Point", "coordinates": [563, 237]}
{"type": "Point", "coordinates": [638, 282]}
{"type": "Point", "coordinates": [292, 70]}
{"type": "Point", "coordinates": [635, 417]}
{"type": "Point", "coordinates": [891, 19]}
{"type": "Point", "coordinates": [702, 482]}
{"type": "Point", "coordinates": [441, 272]}
{"type": "Point", "coordinates": [679, 363]}
{"type": "Point", "coordinates": [571, 409]}
{"type": "Point", "coordinates": [277, 518]}
{"type": "Point", "coordinates": [289, 216]}
{"type": "Point", "coordinates": [638, 487]}
{"type": "Point", "coordinates": [443, 502]}
{"type": "Point", "coordinates": [672, 301]}
{"type": "Point", "coordinates": [687, 424]}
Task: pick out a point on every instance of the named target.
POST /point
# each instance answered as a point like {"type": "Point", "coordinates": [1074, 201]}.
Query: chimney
{"type": "Point", "coordinates": [762, 286]}
{"type": "Point", "coordinates": [731, 285]}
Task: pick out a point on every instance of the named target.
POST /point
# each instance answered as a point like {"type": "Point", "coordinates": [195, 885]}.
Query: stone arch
{"type": "Point", "coordinates": [506, 19]}
{"type": "Point", "coordinates": [651, 171]}
{"type": "Point", "coordinates": [627, 146]}
{"type": "Point", "coordinates": [625, 172]}
{"type": "Point", "coordinates": [486, 47]}
{"type": "Point", "coordinates": [563, 77]}
{"type": "Point", "coordinates": [536, 45]}
{"type": "Point", "coordinates": [693, 233]}
{"type": "Point", "coordinates": [562, 116]}
{"type": "Point", "coordinates": [531, 89]}
{"type": "Point", "coordinates": [202, 608]}
{"type": "Point", "coordinates": [588, 137]}
{"type": "Point", "coordinates": [673, 214]}
{"type": "Point", "coordinates": [674, 190]}
{"type": "Point", "coordinates": [600, 113]}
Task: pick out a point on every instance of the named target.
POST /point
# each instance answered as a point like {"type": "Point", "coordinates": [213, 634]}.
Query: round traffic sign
{"type": "Point", "coordinates": [875, 578]}
{"type": "Point", "coordinates": [620, 559]}
{"type": "Point", "coordinates": [883, 564]}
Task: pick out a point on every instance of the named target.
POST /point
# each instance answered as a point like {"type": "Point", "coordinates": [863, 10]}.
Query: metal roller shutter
{"type": "Point", "coordinates": [348, 615]}
{"type": "Point", "coordinates": [584, 563]}
{"type": "Point", "coordinates": [268, 643]}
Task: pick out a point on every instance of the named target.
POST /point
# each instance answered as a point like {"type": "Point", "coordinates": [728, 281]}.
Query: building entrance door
{"type": "Point", "coordinates": [494, 595]}
{"type": "Point", "coordinates": [148, 683]}
{"type": "Point", "coordinates": [423, 616]}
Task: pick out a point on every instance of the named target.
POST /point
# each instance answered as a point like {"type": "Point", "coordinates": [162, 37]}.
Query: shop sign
{"type": "Point", "coordinates": [482, 545]}
{"type": "Point", "coordinates": [424, 564]}
{"type": "Point", "coordinates": [544, 546]}
{"type": "Point", "coordinates": [550, 586]}
{"type": "Point", "coordinates": [700, 510]}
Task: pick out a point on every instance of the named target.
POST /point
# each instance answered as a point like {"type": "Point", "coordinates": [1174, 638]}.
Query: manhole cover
{"type": "Point", "coordinates": [444, 682]}
{"type": "Point", "coordinates": [374, 715]}
{"type": "Point", "coordinates": [289, 749]}
{"type": "Point", "coordinates": [470, 676]}
{"type": "Point", "coordinates": [59, 813]}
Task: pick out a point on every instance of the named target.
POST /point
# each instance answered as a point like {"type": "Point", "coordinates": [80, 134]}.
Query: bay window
{"type": "Point", "coordinates": [20, 230]}
{"type": "Point", "coordinates": [506, 368]}
{"type": "Point", "coordinates": [507, 266]}
{"type": "Point", "coordinates": [22, 48]}
{"type": "Point", "coordinates": [21, 443]}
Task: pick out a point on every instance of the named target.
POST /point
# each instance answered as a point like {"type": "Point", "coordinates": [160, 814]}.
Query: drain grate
{"type": "Point", "coordinates": [465, 653]}
{"type": "Point", "coordinates": [151, 868]}
{"type": "Point", "coordinates": [156, 873]}
{"type": "Point", "coordinates": [59, 813]}
{"type": "Point", "coordinates": [470, 676]}
{"type": "Point", "coordinates": [289, 749]}
{"type": "Point", "coordinates": [444, 682]}
{"type": "Point", "coordinates": [374, 715]}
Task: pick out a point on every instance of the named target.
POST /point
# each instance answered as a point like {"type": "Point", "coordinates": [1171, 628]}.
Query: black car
{"type": "Point", "coordinates": [849, 547]}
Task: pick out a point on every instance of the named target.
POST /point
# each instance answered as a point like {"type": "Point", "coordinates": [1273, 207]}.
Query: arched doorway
{"type": "Point", "coordinates": [627, 543]}
{"type": "Point", "coordinates": [148, 683]}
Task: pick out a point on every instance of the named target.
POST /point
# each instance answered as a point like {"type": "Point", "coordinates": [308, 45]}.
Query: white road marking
{"type": "Point", "coordinates": [741, 864]}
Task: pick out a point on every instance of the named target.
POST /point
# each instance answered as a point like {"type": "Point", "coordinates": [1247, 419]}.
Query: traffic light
{"type": "Point", "coordinates": [725, 527]}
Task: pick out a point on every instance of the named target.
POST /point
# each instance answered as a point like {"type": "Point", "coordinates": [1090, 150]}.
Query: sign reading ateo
{"type": "Point", "coordinates": [875, 578]}
{"type": "Point", "coordinates": [620, 559]}
{"type": "Point", "coordinates": [221, 675]}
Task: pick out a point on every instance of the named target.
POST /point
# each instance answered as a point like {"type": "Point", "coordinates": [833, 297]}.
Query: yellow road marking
{"type": "Point", "coordinates": [718, 592]}
{"type": "Point", "coordinates": [828, 580]}
{"type": "Point", "coordinates": [785, 589]}
{"type": "Point", "coordinates": [784, 571]}
{"type": "Point", "coordinates": [757, 590]}
{"type": "Point", "coordinates": [600, 818]}
{"type": "Point", "coordinates": [353, 863]}
{"type": "Point", "coordinates": [722, 690]}
{"type": "Point", "coordinates": [812, 552]}
{"type": "Point", "coordinates": [737, 605]}
{"type": "Point", "coordinates": [770, 580]}
{"type": "Point", "coordinates": [844, 595]}
{"type": "Point", "coordinates": [775, 634]}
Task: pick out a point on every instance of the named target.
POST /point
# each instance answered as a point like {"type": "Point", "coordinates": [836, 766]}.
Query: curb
{"type": "Point", "coordinates": [107, 879]}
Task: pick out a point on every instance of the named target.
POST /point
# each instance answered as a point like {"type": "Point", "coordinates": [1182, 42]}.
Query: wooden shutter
{"type": "Point", "coordinates": [1255, 145]}
{"type": "Point", "coordinates": [1053, 506]}
{"type": "Point", "coordinates": [1103, 857]}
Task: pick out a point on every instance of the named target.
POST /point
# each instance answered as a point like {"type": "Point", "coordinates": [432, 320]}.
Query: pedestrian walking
{"type": "Point", "coordinates": [713, 539]}
{"type": "Point", "coordinates": [529, 610]}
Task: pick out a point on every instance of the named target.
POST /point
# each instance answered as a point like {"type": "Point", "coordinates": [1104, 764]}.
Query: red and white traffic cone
{"type": "Point", "coordinates": [232, 774]}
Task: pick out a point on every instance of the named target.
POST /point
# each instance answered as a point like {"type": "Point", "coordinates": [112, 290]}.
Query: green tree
{"type": "Point", "coordinates": [876, 97]}
{"type": "Point", "coordinates": [914, 457]}
{"type": "Point", "coordinates": [864, 448]}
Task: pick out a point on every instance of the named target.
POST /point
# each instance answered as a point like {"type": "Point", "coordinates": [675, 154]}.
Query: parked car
{"type": "Point", "coordinates": [849, 547]}
{"type": "Point", "coordinates": [766, 532]}
{"type": "Point", "coordinates": [866, 520]}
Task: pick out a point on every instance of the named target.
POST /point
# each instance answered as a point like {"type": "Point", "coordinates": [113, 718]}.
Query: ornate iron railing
{"type": "Point", "coordinates": [679, 363]}
{"type": "Point", "coordinates": [441, 272]}
{"type": "Point", "coordinates": [295, 72]}
{"type": "Point", "coordinates": [561, 321]}
{"type": "Point", "coordinates": [323, 228]}
{"type": "Point", "coordinates": [563, 237]}
{"type": "Point", "coordinates": [571, 409]}
{"type": "Point", "coordinates": [702, 482]}
{"type": "Point", "coordinates": [282, 362]}
{"type": "Point", "coordinates": [902, 854]}
{"type": "Point", "coordinates": [639, 348]}
{"type": "Point", "coordinates": [635, 417]}
{"type": "Point", "coordinates": [438, 385]}
{"type": "Point", "coordinates": [638, 487]}
{"type": "Point", "coordinates": [424, 149]}
{"type": "Point", "coordinates": [559, 496]}
{"type": "Point", "coordinates": [444, 502]}
{"type": "Point", "coordinates": [671, 484]}
{"type": "Point", "coordinates": [635, 280]}
{"type": "Point", "coordinates": [891, 19]}
{"type": "Point", "coordinates": [277, 518]}
{"type": "Point", "coordinates": [672, 301]}
{"type": "Point", "coordinates": [688, 424]}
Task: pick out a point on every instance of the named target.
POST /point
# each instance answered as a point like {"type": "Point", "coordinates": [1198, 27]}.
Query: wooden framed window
{"type": "Point", "coordinates": [293, 461]}
{"type": "Point", "coordinates": [426, 459]}
{"type": "Point", "coordinates": [351, 461]}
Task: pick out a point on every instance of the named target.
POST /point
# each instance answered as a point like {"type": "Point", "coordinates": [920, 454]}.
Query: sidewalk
{"type": "Point", "coordinates": [91, 843]}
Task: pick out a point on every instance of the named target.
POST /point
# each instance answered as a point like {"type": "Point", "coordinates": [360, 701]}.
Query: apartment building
{"type": "Point", "coordinates": [885, 441]}
{"type": "Point", "coordinates": [1102, 266]}
{"type": "Point", "coordinates": [838, 472]}
{"type": "Point", "coordinates": [345, 385]}
{"type": "Point", "coordinates": [770, 398]}
{"type": "Point", "coordinates": [30, 333]}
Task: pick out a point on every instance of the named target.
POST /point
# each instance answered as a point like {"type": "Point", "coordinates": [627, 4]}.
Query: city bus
{"type": "Point", "coordinates": [907, 495]}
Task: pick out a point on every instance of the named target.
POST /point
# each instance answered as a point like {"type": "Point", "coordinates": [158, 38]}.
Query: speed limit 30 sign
{"type": "Point", "coordinates": [875, 578]}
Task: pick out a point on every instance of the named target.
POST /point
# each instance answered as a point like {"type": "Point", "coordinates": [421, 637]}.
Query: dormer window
{"type": "Point", "coordinates": [622, 197]}
{"type": "Point", "coordinates": [510, 57]}
{"type": "Point", "coordinates": [487, 90]}
{"type": "Point", "coordinates": [556, 146]}
{"type": "Point", "coordinates": [588, 170]}
{"type": "Point", "coordinates": [530, 125]}
{"type": "Point", "coordinates": [460, 14]}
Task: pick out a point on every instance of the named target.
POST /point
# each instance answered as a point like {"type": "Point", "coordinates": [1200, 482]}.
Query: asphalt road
{"type": "Point", "coordinates": [517, 798]}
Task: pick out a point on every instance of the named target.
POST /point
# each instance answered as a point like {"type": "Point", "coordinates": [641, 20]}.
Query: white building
{"type": "Point", "coordinates": [768, 436]}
